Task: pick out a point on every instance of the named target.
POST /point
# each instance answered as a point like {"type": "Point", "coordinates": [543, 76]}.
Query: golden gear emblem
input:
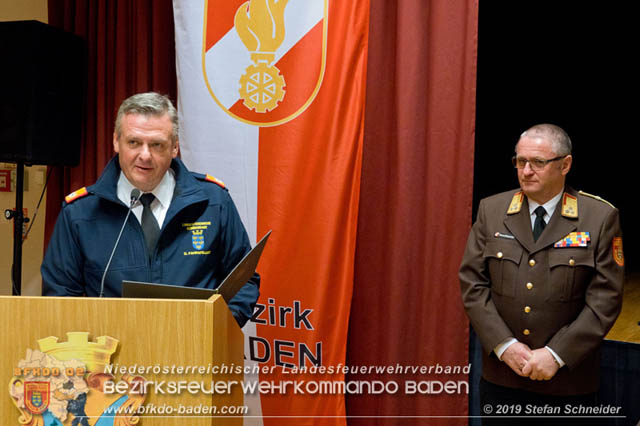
{"type": "Point", "coordinates": [262, 87]}
{"type": "Point", "coordinates": [260, 26]}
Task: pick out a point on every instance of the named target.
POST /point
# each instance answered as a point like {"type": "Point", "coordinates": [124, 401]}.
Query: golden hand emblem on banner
{"type": "Point", "coordinates": [260, 25]}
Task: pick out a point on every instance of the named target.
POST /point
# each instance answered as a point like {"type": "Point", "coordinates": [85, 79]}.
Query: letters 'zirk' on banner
{"type": "Point", "coordinates": [252, 55]}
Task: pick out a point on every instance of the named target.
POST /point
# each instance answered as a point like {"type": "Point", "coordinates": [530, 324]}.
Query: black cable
{"type": "Point", "coordinates": [35, 213]}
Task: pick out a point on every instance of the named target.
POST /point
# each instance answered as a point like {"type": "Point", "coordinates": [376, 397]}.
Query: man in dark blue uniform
{"type": "Point", "coordinates": [185, 230]}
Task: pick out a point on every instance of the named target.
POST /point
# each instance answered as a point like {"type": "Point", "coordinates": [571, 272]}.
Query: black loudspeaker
{"type": "Point", "coordinates": [43, 76]}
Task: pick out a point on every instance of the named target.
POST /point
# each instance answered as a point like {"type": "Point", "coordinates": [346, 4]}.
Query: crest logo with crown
{"type": "Point", "coordinates": [61, 384]}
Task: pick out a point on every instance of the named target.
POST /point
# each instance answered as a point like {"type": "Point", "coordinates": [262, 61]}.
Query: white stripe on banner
{"type": "Point", "coordinates": [213, 142]}
{"type": "Point", "coordinates": [210, 140]}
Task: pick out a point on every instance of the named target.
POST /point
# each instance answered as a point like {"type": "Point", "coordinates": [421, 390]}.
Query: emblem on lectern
{"type": "Point", "coordinates": [36, 396]}
{"type": "Point", "coordinates": [62, 383]}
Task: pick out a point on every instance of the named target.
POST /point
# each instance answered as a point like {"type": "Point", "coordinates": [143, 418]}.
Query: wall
{"type": "Point", "coordinates": [11, 10]}
{"type": "Point", "coordinates": [18, 10]}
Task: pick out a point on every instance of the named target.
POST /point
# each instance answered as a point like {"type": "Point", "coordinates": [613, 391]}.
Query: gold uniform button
{"type": "Point", "coordinates": [527, 309]}
{"type": "Point", "coordinates": [526, 332]}
{"type": "Point", "coordinates": [529, 286]}
{"type": "Point", "coordinates": [532, 262]}
{"type": "Point", "coordinates": [499, 254]}
{"type": "Point", "coordinates": [572, 262]}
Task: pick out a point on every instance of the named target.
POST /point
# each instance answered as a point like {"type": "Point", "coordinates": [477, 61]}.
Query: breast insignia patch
{"type": "Point", "coordinates": [574, 239]}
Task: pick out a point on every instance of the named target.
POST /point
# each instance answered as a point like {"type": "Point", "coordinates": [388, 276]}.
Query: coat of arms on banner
{"type": "Point", "coordinates": [61, 384]}
{"type": "Point", "coordinates": [264, 60]}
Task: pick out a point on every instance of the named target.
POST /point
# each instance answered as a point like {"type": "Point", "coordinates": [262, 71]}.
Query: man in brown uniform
{"type": "Point", "coordinates": [541, 281]}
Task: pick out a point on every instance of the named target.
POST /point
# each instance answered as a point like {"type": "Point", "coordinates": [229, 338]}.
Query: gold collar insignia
{"type": "Point", "coordinates": [516, 203]}
{"type": "Point", "coordinates": [569, 206]}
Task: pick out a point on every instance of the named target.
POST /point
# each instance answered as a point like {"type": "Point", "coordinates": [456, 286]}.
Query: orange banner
{"type": "Point", "coordinates": [308, 192]}
{"type": "Point", "coordinates": [277, 113]}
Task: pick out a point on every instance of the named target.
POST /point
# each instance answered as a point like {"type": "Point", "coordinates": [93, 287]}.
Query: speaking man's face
{"type": "Point", "coordinates": [145, 149]}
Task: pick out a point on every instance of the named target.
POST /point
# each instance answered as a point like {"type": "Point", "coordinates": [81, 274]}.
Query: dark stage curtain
{"type": "Point", "coordinates": [619, 378]}
{"type": "Point", "coordinates": [415, 205]}
{"type": "Point", "coordinates": [131, 48]}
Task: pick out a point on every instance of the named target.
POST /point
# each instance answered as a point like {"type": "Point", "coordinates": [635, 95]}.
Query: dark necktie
{"type": "Point", "coordinates": [539, 224]}
{"type": "Point", "coordinates": [149, 223]}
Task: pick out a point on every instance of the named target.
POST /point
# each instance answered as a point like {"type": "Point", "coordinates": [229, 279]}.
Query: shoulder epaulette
{"type": "Point", "coordinates": [516, 203]}
{"type": "Point", "coordinates": [217, 181]}
{"type": "Point", "coordinates": [586, 194]}
{"type": "Point", "coordinates": [76, 194]}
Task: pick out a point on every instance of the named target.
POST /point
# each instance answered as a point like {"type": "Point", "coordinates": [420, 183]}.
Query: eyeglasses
{"type": "Point", "coordinates": [536, 164]}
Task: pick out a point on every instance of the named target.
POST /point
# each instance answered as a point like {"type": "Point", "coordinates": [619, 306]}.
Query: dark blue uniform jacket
{"type": "Point", "coordinates": [201, 240]}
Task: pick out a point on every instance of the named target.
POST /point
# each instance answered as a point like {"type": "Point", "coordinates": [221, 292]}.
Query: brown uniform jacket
{"type": "Point", "coordinates": [566, 298]}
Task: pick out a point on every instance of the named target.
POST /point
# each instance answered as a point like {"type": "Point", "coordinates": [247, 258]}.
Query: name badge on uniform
{"type": "Point", "coordinates": [501, 235]}
{"type": "Point", "coordinates": [574, 239]}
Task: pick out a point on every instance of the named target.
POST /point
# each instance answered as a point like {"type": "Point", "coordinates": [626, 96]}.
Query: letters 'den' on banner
{"type": "Point", "coordinates": [272, 102]}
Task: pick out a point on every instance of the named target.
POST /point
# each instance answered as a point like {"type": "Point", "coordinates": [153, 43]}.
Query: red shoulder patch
{"type": "Point", "coordinates": [215, 180]}
{"type": "Point", "coordinates": [76, 194]}
{"type": "Point", "coordinates": [618, 255]}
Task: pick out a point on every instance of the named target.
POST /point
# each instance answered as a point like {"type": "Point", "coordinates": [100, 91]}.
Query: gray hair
{"type": "Point", "coordinates": [560, 141]}
{"type": "Point", "coordinates": [150, 103]}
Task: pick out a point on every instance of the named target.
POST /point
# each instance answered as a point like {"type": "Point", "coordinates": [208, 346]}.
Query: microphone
{"type": "Point", "coordinates": [135, 196]}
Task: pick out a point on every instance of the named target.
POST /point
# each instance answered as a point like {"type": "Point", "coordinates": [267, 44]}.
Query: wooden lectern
{"type": "Point", "coordinates": [199, 334]}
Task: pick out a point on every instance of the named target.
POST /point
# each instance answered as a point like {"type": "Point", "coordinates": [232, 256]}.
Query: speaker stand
{"type": "Point", "coordinates": [18, 223]}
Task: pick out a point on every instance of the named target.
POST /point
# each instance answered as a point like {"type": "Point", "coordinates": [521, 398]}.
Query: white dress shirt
{"type": "Point", "coordinates": [163, 193]}
{"type": "Point", "coordinates": [549, 206]}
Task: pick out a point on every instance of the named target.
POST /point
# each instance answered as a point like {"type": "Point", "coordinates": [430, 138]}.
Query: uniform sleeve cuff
{"type": "Point", "coordinates": [499, 350]}
{"type": "Point", "coordinates": [556, 357]}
